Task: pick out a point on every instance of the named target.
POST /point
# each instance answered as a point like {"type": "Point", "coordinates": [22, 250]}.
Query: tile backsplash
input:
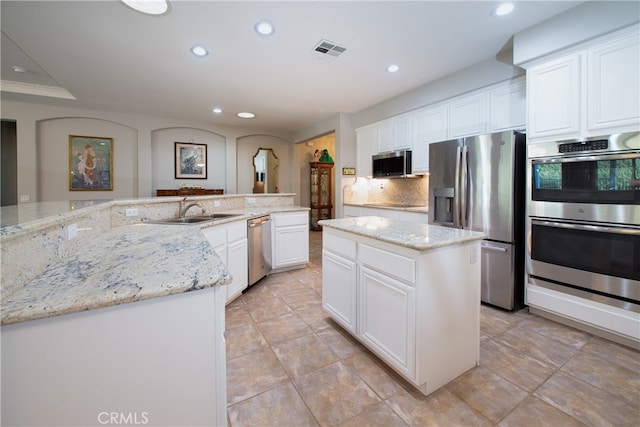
{"type": "Point", "coordinates": [397, 191]}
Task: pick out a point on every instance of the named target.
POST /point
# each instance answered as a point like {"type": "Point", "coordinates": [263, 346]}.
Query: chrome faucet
{"type": "Point", "coordinates": [184, 207]}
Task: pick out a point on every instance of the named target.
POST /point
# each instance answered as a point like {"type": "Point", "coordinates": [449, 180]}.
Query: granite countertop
{"type": "Point", "coordinates": [124, 264]}
{"type": "Point", "coordinates": [114, 266]}
{"type": "Point", "coordinates": [392, 206]}
{"type": "Point", "coordinates": [411, 235]}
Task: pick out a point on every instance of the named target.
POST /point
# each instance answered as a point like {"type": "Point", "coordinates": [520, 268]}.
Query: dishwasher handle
{"type": "Point", "coordinates": [256, 222]}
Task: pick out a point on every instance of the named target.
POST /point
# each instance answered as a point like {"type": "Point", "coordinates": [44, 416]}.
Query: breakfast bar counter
{"type": "Point", "coordinates": [104, 312]}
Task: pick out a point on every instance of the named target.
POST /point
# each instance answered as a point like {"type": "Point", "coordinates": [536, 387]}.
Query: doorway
{"type": "Point", "coordinates": [9, 164]}
{"type": "Point", "coordinates": [304, 153]}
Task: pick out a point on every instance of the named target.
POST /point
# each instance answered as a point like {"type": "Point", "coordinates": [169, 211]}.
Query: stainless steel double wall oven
{"type": "Point", "coordinates": [583, 225]}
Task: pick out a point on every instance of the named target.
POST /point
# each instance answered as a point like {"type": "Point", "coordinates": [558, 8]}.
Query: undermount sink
{"type": "Point", "coordinates": [217, 215]}
{"type": "Point", "coordinates": [193, 219]}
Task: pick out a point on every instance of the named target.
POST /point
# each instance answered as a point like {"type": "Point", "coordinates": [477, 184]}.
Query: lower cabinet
{"type": "Point", "coordinates": [388, 318]}
{"type": "Point", "coordinates": [339, 289]}
{"type": "Point", "coordinates": [230, 243]}
{"type": "Point", "coordinates": [133, 360]}
{"type": "Point", "coordinates": [290, 240]}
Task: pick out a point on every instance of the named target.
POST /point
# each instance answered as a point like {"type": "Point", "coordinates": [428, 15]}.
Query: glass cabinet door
{"type": "Point", "coordinates": [320, 193]}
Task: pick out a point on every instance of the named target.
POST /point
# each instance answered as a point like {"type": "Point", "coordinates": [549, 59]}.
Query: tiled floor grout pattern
{"type": "Point", "coordinates": [288, 364]}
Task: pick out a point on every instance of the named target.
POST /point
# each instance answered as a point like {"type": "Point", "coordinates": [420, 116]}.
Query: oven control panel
{"type": "Point", "coordinates": [573, 147]}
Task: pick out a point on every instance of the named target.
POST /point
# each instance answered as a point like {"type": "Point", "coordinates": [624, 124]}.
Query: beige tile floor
{"type": "Point", "coordinates": [288, 364]}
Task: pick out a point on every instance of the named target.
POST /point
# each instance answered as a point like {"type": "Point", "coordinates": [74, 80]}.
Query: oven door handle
{"type": "Point", "coordinates": [591, 158]}
{"type": "Point", "coordinates": [589, 227]}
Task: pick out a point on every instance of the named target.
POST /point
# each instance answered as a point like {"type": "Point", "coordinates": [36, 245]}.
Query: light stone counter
{"type": "Point", "coordinates": [392, 206]}
{"type": "Point", "coordinates": [115, 258]}
{"type": "Point", "coordinates": [411, 235]}
{"type": "Point", "coordinates": [121, 265]}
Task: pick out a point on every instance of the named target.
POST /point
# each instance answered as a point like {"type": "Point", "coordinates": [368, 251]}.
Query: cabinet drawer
{"type": "Point", "coordinates": [283, 220]}
{"type": "Point", "coordinates": [236, 231]}
{"type": "Point", "coordinates": [339, 245]}
{"type": "Point", "coordinates": [388, 262]}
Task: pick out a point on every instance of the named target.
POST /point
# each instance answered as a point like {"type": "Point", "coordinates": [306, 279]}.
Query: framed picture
{"type": "Point", "coordinates": [191, 161]}
{"type": "Point", "coordinates": [348, 171]}
{"type": "Point", "coordinates": [90, 163]}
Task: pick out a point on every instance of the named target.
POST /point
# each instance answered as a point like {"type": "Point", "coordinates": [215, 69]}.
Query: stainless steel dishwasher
{"type": "Point", "coordinates": [259, 243]}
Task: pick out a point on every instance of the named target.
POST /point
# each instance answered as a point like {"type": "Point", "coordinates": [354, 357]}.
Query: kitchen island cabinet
{"type": "Point", "coordinates": [409, 292]}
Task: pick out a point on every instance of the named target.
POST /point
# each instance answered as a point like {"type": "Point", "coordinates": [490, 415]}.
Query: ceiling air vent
{"type": "Point", "coordinates": [326, 47]}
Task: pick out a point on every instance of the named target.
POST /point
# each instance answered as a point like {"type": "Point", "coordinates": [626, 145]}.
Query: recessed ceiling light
{"type": "Point", "coordinates": [199, 50]}
{"type": "Point", "coordinates": [393, 68]}
{"type": "Point", "coordinates": [503, 9]}
{"type": "Point", "coordinates": [264, 28]}
{"type": "Point", "coordinates": [150, 7]}
{"type": "Point", "coordinates": [246, 115]}
{"type": "Point", "coordinates": [19, 69]}
{"type": "Point", "coordinates": [217, 110]}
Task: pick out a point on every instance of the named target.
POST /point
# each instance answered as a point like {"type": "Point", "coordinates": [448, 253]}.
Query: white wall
{"type": "Point", "coordinates": [53, 158]}
{"type": "Point", "coordinates": [39, 124]}
{"type": "Point", "coordinates": [163, 157]}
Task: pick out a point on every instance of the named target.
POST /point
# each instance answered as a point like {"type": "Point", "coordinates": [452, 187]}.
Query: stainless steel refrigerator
{"type": "Point", "coordinates": [478, 183]}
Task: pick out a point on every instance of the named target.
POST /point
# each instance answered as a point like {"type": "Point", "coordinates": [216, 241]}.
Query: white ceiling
{"type": "Point", "coordinates": [112, 58]}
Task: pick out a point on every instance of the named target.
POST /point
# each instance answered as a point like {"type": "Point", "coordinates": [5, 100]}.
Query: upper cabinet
{"type": "Point", "coordinates": [402, 132]}
{"type": "Point", "coordinates": [384, 136]}
{"type": "Point", "coordinates": [613, 82]}
{"type": "Point", "coordinates": [429, 125]}
{"type": "Point", "coordinates": [589, 91]}
{"type": "Point", "coordinates": [365, 149]}
{"type": "Point", "coordinates": [468, 116]}
{"type": "Point", "coordinates": [496, 108]}
{"type": "Point", "coordinates": [553, 90]}
{"type": "Point", "coordinates": [508, 106]}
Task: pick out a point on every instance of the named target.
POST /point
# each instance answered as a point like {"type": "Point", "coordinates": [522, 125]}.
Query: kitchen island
{"type": "Point", "coordinates": [109, 319]}
{"type": "Point", "coordinates": [409, 292]}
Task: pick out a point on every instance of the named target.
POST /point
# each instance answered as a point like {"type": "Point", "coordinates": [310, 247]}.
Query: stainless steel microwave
{"type": "Point", "coordinates": [393, 164]}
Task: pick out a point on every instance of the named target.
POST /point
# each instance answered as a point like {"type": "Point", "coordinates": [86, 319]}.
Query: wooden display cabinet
{"type": "Point", "coordinates": [321, 193]}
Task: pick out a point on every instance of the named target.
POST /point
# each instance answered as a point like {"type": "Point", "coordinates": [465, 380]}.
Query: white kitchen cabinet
{"type": "Point", "coordinates": [339, 280]}
{"type": "Point", "coordinates": [134, 359]}
{"type": "Point", "coordinates": [402, 132]}
{"type": "Point", "coordinates": [613, 85]}
{"type": "Point", "coordinates": [468, 116]}
{"type": "Point", "coordinates": [365, 149]}
{"type": "Point", "coordinates": [289, 240]}
{"type": "Point", "coordinates": [384, 136]}
{"type": "Point", "coordinates": [508, 106]}
{"type": "Point", "coordinates": [230, 243]}
{"type": "Point", "coordinates": [590, 90]}
{"type": "Point", "coordinates": [418, 311]}
{"type": "Point", "coordinates": [553, 93]}
{"type": "Point", "coordinates": [237, 264]}
{"type": "Point", "coordinates": [429, 125]}
{"type": "Point", "coordinates": [387, 318]}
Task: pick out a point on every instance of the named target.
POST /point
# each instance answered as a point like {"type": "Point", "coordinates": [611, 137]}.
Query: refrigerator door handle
{"type": "Point", "coordinates": [456, 189]}
{"type": "Point", "coordinates": [463, 187]}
